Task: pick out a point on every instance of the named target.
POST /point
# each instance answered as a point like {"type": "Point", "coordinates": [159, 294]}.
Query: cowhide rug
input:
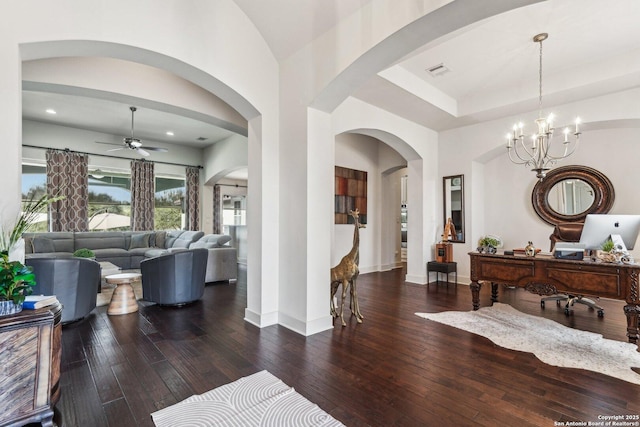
{"type": "Point", "coordinates": [549, 341]}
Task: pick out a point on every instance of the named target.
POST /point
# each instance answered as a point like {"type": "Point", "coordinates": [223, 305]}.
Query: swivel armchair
{"type": "Point", "coordinates": [569, 232]}
{"type": "Point", "coordinates": [175, 278]}
{"type": "Point", "coordinates": [74, 281]}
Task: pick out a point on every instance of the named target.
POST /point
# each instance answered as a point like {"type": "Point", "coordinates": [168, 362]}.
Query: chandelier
{"type": "Point", "coordinates": [534, 150]}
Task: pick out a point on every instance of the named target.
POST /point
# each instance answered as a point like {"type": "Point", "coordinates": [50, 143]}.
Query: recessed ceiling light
{"type": "Point", "coordinates": [51, 111]}
{"type": "Point", "coordinates": [169, 133]}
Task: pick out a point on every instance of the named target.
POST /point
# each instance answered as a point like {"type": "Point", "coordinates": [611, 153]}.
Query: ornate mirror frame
{"type": "Point", "coordinates": [604, 194]}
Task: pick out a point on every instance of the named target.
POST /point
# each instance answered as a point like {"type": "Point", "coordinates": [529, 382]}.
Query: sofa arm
{"type": "Point", "coordinates": [222, 264]}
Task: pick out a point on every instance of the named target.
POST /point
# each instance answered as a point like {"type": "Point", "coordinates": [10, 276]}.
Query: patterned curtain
{"type": "Point", "coordinates": [217, 210]}
{"type": "Point", "coordinates": [193, 199]}
{"type": "Point", "coordinates": [67, 176]}
{"type": "Point", "coordinates": [142, 195]}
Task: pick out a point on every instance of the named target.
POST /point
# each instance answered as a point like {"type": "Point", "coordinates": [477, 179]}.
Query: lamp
{"type": "Point", "coordinates": [536, 153]}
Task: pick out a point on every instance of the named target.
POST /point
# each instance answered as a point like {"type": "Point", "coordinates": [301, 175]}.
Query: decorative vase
{"type": "Point", "coordinates": [530, 250]}
{"type": "Point", "coordinates": [607, 256]}
{"type": "Point", "coordinates": [9, 307]}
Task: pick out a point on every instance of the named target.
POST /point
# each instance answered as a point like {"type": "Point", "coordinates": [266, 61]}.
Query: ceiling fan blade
{"type": "Point", "coordinates": [158, 149]}
{"type": "Point", "coordinates": [116, 149]}
{"type": "Point", "coordinates": [141, 151]}
{"type": "Point", "coordinates": [108, 143]}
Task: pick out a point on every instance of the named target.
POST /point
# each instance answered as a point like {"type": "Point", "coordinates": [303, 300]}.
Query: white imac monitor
{"type": "Point", "coordinates": [599, 227]}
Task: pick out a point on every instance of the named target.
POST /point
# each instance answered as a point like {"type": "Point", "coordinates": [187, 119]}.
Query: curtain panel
{"type": "Point", "coordinates": [193, 199]}
{"type": "Point", "coordinates": [67, 176]}
{"type": "Point", "coordinates": [142, 195]}
{"type": "Point", "coordinates": [217, 209]}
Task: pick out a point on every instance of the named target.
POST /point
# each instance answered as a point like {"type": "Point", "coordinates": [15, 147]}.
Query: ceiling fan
{"type": "Point", "coordinates": [133, 143]}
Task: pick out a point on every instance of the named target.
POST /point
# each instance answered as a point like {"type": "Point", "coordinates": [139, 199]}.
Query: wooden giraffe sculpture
{"type": "Point", "coordinates": [346, 273]}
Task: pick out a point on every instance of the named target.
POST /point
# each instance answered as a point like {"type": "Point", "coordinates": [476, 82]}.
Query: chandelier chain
{"type": "Point", "coordinates": [540, 81]}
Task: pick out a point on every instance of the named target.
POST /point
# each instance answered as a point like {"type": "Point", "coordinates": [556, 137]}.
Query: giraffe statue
{"type": "Point", "coordinates": [346, 273]}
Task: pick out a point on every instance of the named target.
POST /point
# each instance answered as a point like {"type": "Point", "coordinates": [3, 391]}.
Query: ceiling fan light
{"type": "Point", "coordinates": [135, 143]}
{"type": "Point", "coordinates": [97, 174]}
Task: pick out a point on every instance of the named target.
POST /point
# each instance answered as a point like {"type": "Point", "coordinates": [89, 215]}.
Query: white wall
{"type": "Point", "coordinates": [60, 137]}
{"type": "Point", "coordinates": [498, 192]}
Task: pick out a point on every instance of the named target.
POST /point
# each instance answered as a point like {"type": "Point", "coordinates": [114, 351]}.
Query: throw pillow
{"type": "Point", "coordinates": [139, 241]}
{"type": "Point", "coordinates": [161, 237]}
{"type": "Point", "coordinates": [43, 245]}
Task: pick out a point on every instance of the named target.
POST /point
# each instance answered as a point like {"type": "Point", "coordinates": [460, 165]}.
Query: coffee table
{"type": "Point", "coordinates": [107, 268]}
{"type": "Point", "coordinates": [123, 300]}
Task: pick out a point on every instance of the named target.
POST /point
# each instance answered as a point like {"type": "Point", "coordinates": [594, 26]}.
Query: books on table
{"type": "Point", "coordinates": [33, 302]}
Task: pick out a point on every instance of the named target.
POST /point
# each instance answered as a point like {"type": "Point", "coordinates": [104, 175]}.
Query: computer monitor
{"type": "Point", "coordinates": [599, 227]}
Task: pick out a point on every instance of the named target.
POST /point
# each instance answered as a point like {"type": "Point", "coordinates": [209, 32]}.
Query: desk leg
{"type": "Point", "coordinates": [475, 294]}
{"type": "Point", "coordinates": [494, 292]}
{"type": "Point", "coordinates": [633, 317]}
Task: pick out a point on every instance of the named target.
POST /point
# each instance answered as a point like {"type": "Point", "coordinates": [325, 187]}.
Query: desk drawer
{"type": "Point", "coordinates": [585, 281]}
{"type": "Point", "coordinates": [497, 270]}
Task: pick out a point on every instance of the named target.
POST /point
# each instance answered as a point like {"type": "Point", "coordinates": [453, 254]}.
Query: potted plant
{"type": "Point", "coordinates": [16, 282]}
{"type": "Point", "coordinates": [488, 244]}
{"type": "Point", "coordinates": [17, 279]}
{"type": "Point", "coordinates": [607, 252]}
{"type": "Point", "coordinates": [84, 253]}
{"type": "Point", "coordinates": [11, 236]}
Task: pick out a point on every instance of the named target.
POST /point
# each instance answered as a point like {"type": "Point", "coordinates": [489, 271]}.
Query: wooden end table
{"type": "Point", "coordinates": [123, 300]}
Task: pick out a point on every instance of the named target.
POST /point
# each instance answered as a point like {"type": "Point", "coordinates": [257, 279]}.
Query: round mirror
{"type": "Point", "coordinates": [571, 197]}
{"type": "Point", "coordinates": [570, 193]}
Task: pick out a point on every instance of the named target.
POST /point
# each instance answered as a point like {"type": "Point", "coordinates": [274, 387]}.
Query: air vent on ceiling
{"type": "Point", "coordinates": [438, 70]}
{"type": "Point", "coordinates": [201, 138]}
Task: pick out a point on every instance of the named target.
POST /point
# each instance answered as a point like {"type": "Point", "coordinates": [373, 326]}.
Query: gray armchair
{"type": "Point", "coordinates": [74, 281]}
{"type": "Point", "coordinates": [175, 278]}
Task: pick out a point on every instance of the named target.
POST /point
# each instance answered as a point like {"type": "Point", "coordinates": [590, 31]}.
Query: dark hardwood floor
{"type": "Point", "coordinates": [395, 369]}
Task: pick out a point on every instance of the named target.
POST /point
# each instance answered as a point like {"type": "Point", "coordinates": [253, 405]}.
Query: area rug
{"type": "Point", "coordinates": [549, 341]}
{"type": "Point", "coordinates": [257, 400]}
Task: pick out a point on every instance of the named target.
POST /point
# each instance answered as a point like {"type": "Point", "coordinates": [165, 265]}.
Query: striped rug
{"type": "Point", "coordinates": [257, 400]}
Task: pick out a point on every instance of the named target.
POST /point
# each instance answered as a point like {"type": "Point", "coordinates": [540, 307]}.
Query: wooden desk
{"type": "Point", "coordinates": [545, 275]}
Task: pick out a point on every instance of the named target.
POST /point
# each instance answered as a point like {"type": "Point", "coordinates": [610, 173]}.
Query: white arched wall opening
{"type": "Point", "coordinates": [255, 292]}
{"type": "Point", "coordinates": [114, 30]}
{"type": "Point", "coordinates": [419, 147]}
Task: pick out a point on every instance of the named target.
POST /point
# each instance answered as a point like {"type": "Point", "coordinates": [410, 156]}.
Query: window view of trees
{"type": "Point", "coordinates": [110, 200]}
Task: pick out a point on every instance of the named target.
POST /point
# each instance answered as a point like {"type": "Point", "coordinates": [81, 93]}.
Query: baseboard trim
{"type": "Point", "coordinates": [261, 320]}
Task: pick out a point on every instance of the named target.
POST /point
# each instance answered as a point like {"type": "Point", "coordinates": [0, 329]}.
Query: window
{"type": "Point", "coordinates": [110, 199]}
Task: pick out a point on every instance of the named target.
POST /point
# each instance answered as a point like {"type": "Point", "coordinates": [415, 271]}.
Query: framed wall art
{"type": "Point", "coordinates": [351, 193]}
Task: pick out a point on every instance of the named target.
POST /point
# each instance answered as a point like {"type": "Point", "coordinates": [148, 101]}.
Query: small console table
{"type": "Point", "coordinates": [546, 275]}
{"type": "Point", "coordinates": [443, 267]}
{"type": "Point", "coordinates": [30, 353]}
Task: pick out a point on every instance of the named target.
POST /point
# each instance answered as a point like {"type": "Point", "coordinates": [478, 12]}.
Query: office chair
{"type": "Point", "coordinates": [569, 232]}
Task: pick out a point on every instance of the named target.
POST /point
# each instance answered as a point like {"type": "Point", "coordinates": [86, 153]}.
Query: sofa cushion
{"type": "Point", "coordinates": [159, 239]}
{"type": "Point", "coordinates": [62, 240]}
{"type": "Point", "coordinates": [171, 238]}
{"type": "Point", "coordinates": [100, 240]}
{"type": "Point", "coordinates": [42, 244]}
{"type": "Point", "coordinates": [210, 241]}
{"type": "Point", "coordinates": [151, 253]}
{"type": "Point", "coordinates": [139, 241]}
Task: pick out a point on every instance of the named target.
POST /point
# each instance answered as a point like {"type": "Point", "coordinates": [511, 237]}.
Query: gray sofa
{"type": "Point", "coordinates": [127, 249]}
